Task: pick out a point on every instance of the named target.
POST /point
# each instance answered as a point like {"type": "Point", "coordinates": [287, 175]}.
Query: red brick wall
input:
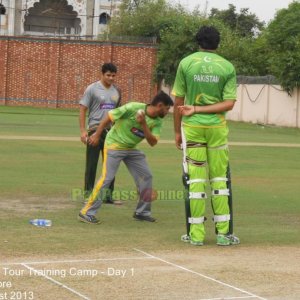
{"type": "Point", "coordinates": [55, 73]}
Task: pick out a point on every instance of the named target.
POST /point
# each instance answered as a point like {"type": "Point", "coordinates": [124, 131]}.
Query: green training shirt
{"type": "Point", "coordinates": [205, 78]}
{"type": "Point", "coordinates": [127, 132]}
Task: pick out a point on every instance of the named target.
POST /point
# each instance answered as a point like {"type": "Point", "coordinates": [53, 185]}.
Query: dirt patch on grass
{"type": "Point", "coordinates": [31, 204]}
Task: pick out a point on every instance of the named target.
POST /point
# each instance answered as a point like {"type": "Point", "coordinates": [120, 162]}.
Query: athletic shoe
{"type": "Point", "coordinates": [196, 243]}
{"type": "Point", "coordinates": [88, 219]}
{"type": "Point", "coordinates": [144, 218]}
{"type": "Point", "coordinates": [227, 240]}
{"type": "Point", "coordinates": [185, 238]}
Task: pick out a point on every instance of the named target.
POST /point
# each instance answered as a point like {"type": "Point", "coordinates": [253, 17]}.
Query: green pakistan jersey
{"type": "Point", "coordinates": [127, 132]}
{"type": "Point", "coordinates": [205, 78]}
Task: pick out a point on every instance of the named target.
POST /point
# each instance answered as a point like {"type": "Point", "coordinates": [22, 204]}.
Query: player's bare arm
{"type": "Point", "coordinates": [179, 101]}
{"type": "Point", "coordinates": [83, 132]}
{"type": "Point", "coordinates": [150, 138]}
{"type": "Point", "coordinates": [94, 139]}
{"type": "Point", "coordinates": [188, 110]}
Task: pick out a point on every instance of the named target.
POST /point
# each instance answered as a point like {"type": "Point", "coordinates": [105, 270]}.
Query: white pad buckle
{"type": "Point", "coordinates": [196, 220]}
{"type": "Point", "coordinates": [199, 195]}
{"type": "Point", "coordinates": [223, 192]}
{"type": "Point", "coordinates": [221, 218]}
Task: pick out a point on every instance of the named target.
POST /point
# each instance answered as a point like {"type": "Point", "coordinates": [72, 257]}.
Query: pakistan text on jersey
{"type": "Point", "coordinates": [206, 78]}
{"type": "Point", "coordinates": [107, 105]}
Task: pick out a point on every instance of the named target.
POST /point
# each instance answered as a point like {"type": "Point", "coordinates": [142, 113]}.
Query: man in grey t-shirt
{"type": "Point", "coordinates": [99, 98]}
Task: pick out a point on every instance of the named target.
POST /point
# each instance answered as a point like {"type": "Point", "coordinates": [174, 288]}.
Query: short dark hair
{"type": "Point", "coordinates": [208, 37]}
{"type": "Point", "coordinates": [162, 97]}
{"type": "Point", "coordinates": [109, 67]}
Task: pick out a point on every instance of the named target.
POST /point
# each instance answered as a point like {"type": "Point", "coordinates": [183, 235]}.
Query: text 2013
{"type": "Point", "coordinates": [17, 295]}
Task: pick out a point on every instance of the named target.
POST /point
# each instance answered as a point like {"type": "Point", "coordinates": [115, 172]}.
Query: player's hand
{"type": "Point", "coordinates": [93, 140]}
{"type": "Point", "coordinates": [186, 110]}
{"type": "Point", "coordinates": [140, 117]}
{"type": "Point", "coordinates": [178, 141]}
{"type": "Point", "coordinates": [84, 137]}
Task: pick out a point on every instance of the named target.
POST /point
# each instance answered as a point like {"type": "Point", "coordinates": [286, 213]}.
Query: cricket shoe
{"type": "Point", "coordinates": [144, 218]}
{"type": "Point", "coordinates": [227, 240]}
{"type": "Point", "coordinates": [88, 219]}
{"type": "Point", "coordinates": [185, 238]}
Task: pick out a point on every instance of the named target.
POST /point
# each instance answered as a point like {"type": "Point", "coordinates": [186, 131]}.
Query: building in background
{"type": "Point", "coordinates": [57, 18]}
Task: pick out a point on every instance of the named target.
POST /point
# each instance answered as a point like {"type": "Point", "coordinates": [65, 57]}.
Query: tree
{"type": "Point", "coordinates": [283, 36]}
{"type": "Point", "coordinates": [141, 18]}
{"type": "Point", "coordinates": [177, 41]}
{"type": "Point", "coordinates": [172, 26]}
{"type": "Point", "coordinates": [131, 5]}
{"type": "Point", "coordinates": [175, 29]}
{"type": "Point", "coordinates": [244, 23]}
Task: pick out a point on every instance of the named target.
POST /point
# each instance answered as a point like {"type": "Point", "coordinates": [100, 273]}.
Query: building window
{"type": "Point", "coordinates": [2, 9]}
{"type": "Point", "coordinates": [104, 18]}
{"type": "Point", "coordinates": [52, 17]}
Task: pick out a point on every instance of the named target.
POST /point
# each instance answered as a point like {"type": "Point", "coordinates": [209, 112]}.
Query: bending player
{"type": "Point", "coordinates": [130, 128]}
{"type": "Point", "coordinates": [204, 89]}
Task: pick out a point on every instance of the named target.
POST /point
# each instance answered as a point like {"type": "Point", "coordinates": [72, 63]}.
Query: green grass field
{"type": "Point", "coordinates": [37, 179]}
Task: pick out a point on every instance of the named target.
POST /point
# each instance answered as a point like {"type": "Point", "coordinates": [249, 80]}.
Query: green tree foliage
{"type": "Point", "coordinates": [244, 23]}
{"type": "Point", "coordinates": [173, 27]}
{"type": "Point", "coordinates": [175, 30]}
{"type": "Point", "coordinates": [177, 41]}
{"type": "Point", "coordinates": [248, 55]}
{"type": "Point", "coordinates": [142, 18]}
{"type": "Point", "coordinates": [283, 36]}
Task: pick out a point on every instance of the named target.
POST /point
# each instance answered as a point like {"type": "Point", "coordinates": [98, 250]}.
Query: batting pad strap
{"type": "Point", "coordinates": [195, 162]}
{"type": "Point", "coordinates": [218, 179]}
{"type": "Point", "coordinates": [221, 218]}
{"type": "Point", "coordinates": [195, 145]}
{"type": "Point", "coordinates": [196, 220]}
{"type": "Point", "coordinates": [200, 195]}
{"type": "Point", "coordinates": [224, 192]}
{"type": "Point", "coordinates": [199, 180]}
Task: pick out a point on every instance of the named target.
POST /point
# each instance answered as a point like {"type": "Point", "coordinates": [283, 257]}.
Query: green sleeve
{"type": "Point", "coordinates": [179, 88]}
{"type": "Point", "coordinates": [229, 91]}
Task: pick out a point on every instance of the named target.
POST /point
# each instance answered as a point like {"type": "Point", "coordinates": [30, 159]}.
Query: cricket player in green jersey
{"type": "Point", "coordinates": [133, 122]}
{"type": "Point", "coordinates": [204, 89]}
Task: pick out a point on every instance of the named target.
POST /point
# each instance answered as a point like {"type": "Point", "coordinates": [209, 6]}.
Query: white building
{"type": "Point", "coordinates": [85, 18]}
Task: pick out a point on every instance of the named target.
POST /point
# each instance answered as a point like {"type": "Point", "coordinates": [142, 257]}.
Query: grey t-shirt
{"type": "Point", "coordinates": [99, 100]}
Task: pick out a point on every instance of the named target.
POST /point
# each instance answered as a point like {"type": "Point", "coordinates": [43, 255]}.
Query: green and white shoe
{"type": "Point", "coordinates": [187, 239]}
{"type": "Point", "coordinates": [227, 240]}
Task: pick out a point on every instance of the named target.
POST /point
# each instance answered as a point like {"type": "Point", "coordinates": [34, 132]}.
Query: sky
{"type": "Point", "coordinates": [265, 10]}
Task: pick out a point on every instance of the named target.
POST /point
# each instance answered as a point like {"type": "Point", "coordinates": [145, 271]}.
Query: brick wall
{"type": "Point", "coordinates": [55, 73]}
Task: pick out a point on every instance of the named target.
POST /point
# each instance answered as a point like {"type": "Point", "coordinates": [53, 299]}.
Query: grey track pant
{"type": "Point", "coordinates": [136, 163]}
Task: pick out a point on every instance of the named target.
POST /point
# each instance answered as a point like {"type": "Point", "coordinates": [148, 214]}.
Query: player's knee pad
{"type": "Point", "coordinates": [220, 193]}
{"type": "Point", "coordinates": [219, 186]}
